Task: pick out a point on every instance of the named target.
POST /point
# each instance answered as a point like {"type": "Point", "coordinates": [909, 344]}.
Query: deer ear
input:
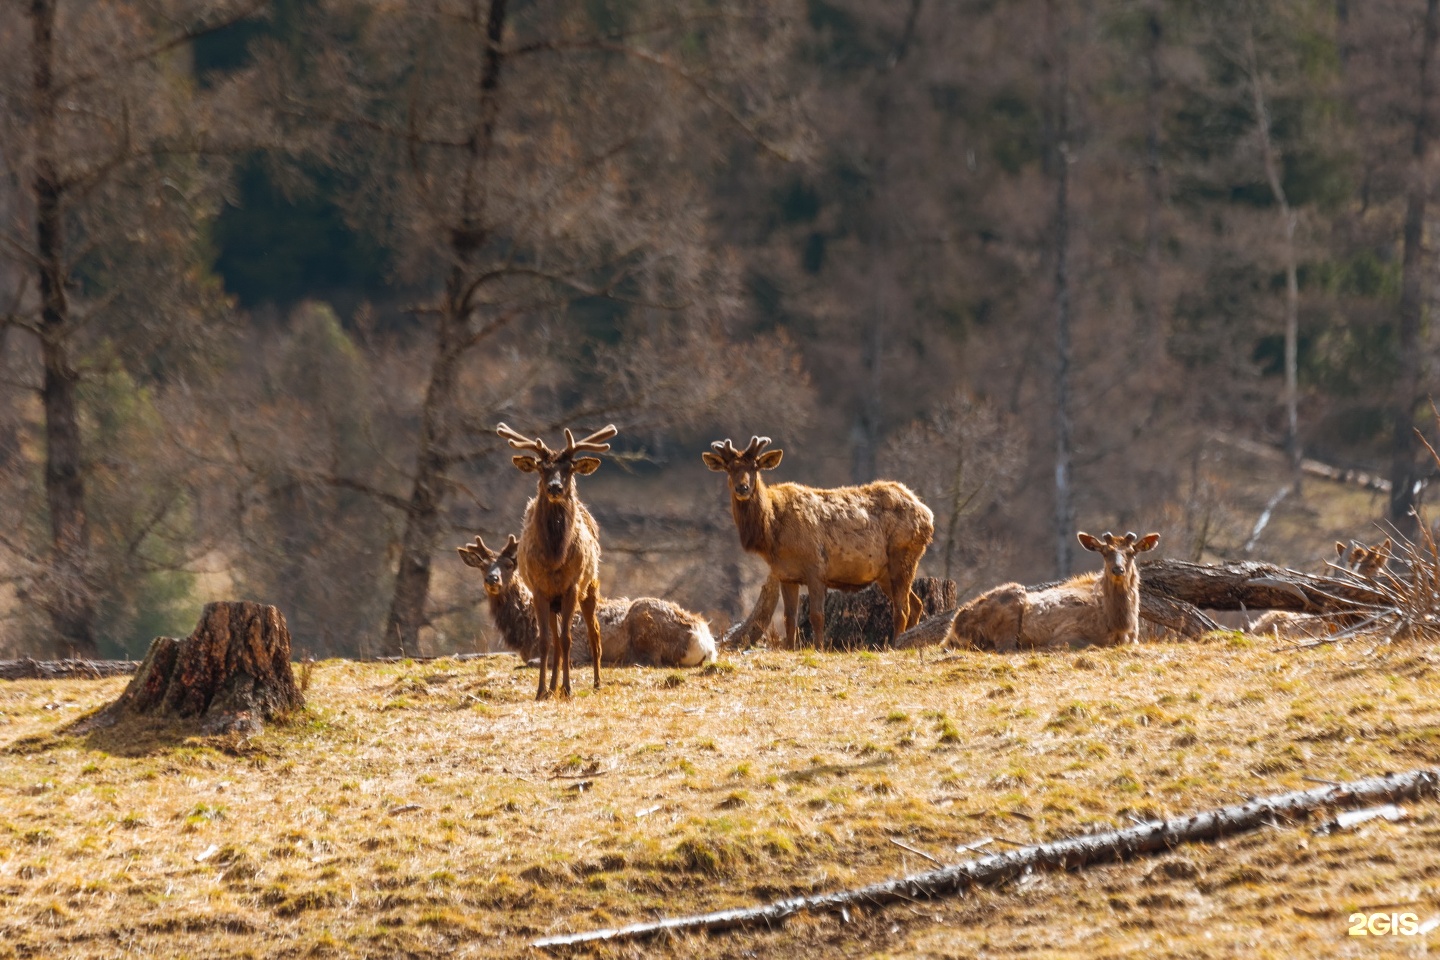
{"type": "Point", "coordinates": [526, 464]}
{"type": "Point", "coordinates": [586, 465]}
{"type": "Point", "coordinates": [769, 460]}
{"type": "Point", "coordinates": [1088, 542]}
{"type": "Point", "coordinates": [713, 461]}
{"type": "Point", "coordinates": [1147, 542]}
{"type": "Point", "coordinates": [1384, 547]}
{"type": "Point", "coordinates": [1339, 549]}
{"type": "Point", "coordinates": [475, 554]}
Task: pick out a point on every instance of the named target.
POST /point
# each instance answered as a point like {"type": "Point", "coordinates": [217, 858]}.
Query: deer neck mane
{"type": "Point", "coordinates": [1120, 602]}
{"type": "Point", "coordinates": [555, 526]}
{"type": "Point", "coordinates": [755, 518]}
{"type": "Point", "coordinates": [513, 611]}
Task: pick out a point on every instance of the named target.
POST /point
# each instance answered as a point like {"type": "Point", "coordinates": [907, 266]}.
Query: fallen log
{"type": "Point", "coordinates": [751, 630]}
{"type": "Point", "coordinates": [27, 669]}
{"type": "Point", "coordinates": [929, 632]}
{"type": "Point", "coordinates": [1071, 853]}
{"type": "Point", "coordinates": [1174, 615]}
{"type": "Point", "coordinates": [1251, 585]}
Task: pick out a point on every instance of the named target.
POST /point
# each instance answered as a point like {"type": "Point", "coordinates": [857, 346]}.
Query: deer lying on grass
{"type": "Point", "coordinates": [1357, 560]}
{"type": "Point", "coordinates": [844, 538]}
{"type": "Point", "coordinates": [559, 555]}
{"type": "Point", "coordinates": [1091, 609]}
{"type": "Point", "coordinates": [644, 632]}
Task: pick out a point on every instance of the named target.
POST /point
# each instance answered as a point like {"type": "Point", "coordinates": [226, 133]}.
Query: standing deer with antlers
{"type": "Point", "coordinates": [560, 548]}
{"type": "Point", "coordinates": [844, 538]}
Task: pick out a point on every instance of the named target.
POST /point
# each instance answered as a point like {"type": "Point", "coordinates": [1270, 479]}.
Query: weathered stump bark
{"type": "Point", "coordinates": [863, 619]}
{"type": "Point", "coordinates": [233, 671]}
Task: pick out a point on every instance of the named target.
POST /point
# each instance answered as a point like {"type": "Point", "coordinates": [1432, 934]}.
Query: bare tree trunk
{"type": "Point", "coordinates": [452, 337]}
{"type": "Point", "coordinates": [427, 497]}
{"type": "Point", "coordinates": [1060, 169]}
{"type": "Point", "coordinates": [1288, 222]}
{"type": "Point", "coordinates": [1154, 187]}
{"type": "Point", "coordinates": [67, 597]}
{"type": "Point", "coordinates": [1403, 469]}
{"type": "Point", "coordinates": [867, 421]}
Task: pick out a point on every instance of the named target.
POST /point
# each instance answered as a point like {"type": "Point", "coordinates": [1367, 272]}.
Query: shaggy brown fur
{"type": "Point", "coordinates": [642, 632]}
{"type": "Point", "coordinates": [559, 555]}
{"type": "Point", "coordinates": [1357, 559]}
{"type": "Point", "coordinates": [1091, 609]}
{"type": "Point", "coordinates": [844, 538]}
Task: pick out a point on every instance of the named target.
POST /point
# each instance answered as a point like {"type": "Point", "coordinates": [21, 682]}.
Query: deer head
{"type": "Point", "coordinates": [742, 466]}
{"type": "Point", "coordinates": [558, 469]}
{"type": "Point", "coordinates": [1118, 552]}
{"type": "Point", "coordinates": [1365, 562]}
{"type": "Point", "coordinates": [499, 565]}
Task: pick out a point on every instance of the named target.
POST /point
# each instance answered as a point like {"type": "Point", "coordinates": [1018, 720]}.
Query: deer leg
{"type": "Point", "coordinates": [567, 618]}
{"type": "Point", "coordinates": [899, 594]}
{"type": "Point", "coordinates": [545, 622]}
{"type": "Point", "coordinates": [902, 577]}
{"type": "Point", "coordinates": [592, 627]}
{"type": "Point", "coordinates": [790, 596]}
{"type": "Point", "coordinates": [815, 589]}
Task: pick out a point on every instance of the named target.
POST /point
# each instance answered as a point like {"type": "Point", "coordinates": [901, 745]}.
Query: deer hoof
{"type": "Point", "coordinates": [542, 695]}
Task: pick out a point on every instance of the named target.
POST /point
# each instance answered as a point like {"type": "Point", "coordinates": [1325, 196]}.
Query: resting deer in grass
{"type": "Point", "coordinates": [559, 552]}
{"type": "Point", "coordinates": [1358, 560]}
{"type": "Point", "coordinates": [846, 537]}
{"type": "Point", "coordinates": [641, 632]}
{"type": "Point", "coordinates": [1094, 608]}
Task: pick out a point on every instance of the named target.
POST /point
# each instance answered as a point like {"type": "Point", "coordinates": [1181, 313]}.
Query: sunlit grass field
{"type": "Point", "coordinates": [434, 809]}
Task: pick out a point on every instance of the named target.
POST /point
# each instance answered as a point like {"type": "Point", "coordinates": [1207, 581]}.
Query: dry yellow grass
{"type": "Point", "coordinates": [435, 809]}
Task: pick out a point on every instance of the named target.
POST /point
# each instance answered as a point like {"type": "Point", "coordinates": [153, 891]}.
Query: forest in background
{"type": "Point", "coordinates": [272, 270]}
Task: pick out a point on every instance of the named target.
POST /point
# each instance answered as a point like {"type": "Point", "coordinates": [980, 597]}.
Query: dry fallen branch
{"type": "Point", "coordinates": [27, 669]}
{"type": "Point", "coordinates": [1068, 854]}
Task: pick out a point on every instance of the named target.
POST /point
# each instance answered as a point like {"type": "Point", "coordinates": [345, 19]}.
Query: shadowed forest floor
{"type": "Point", "coordinates": [435, 809]}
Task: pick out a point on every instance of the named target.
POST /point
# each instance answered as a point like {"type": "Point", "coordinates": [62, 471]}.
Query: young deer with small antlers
{"type": "Point", "coordinates": [844, 538]}
{"type": "Point", "coordinates": [559, 552]}
{"type": "Point", "coordinates": [1356, 559]}
{"type": "Point", "coordinates": [1093, 608]}
{"type": "Point", "coordinates": [644, 632]}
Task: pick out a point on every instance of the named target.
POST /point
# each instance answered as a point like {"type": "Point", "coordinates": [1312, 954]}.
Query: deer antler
{"type": "Point", "coordinates": [521, 442]}
{"type": "Point", "coordinates": [756, 445]}
{"type": "Point", "coordinates": [593, 443]}
{"type": "Point", "coordinates": [475, 554]}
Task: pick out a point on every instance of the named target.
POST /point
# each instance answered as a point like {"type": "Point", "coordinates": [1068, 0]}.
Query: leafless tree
{"type": "Point", "coordinates": [114, 160]}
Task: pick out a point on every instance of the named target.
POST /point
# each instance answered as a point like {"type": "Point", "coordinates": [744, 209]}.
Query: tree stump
{"type": "Point", "coordinates": [233, 671]}
{"type": "Point", "coordinates": [863, 619]}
